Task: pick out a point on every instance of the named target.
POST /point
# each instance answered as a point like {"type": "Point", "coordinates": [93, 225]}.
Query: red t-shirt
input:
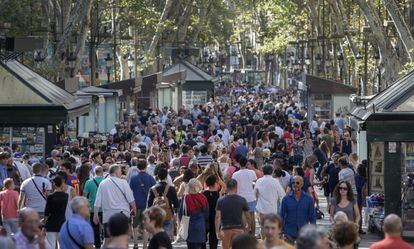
{"type": "Point", "coordinates": [9, 203]}
{"type": "Point", "coordinates": [287, 136]}
{"type": "Point", "coordinates": [391, 243]}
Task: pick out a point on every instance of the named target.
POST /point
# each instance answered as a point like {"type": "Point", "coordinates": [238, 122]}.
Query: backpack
{"type": "Point", "coordinates": [162, 202]}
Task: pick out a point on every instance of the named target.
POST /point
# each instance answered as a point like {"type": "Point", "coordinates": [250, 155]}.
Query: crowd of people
{"type": "Point", "coordinates": [200, 175]}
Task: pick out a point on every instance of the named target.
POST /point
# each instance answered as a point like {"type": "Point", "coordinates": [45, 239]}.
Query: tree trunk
{"type": "Point", "coordinates": [389, 61]}
{"type": "Point", "coordinates": [184, 21]}
{"type": "Point", "coordinates": [401, 26]}
{"type": "Point", "coordinates": [340, 29]}
{"type": "Point", "coordinates": [160, 27]}
{"type": "Point", "coordinates": [203, 13]}
{"type": "Point", "coordinates": [83, 35]}
{"type": "Point", "coordinates": [313, 15]}
{"type": "Point", "coordinates": [71, 24]}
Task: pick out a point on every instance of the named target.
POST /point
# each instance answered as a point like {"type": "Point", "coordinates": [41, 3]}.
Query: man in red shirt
{"type": "Point", "coordinates": [392, 228]}
{"type": "Point", "coordinates": [288, 137]}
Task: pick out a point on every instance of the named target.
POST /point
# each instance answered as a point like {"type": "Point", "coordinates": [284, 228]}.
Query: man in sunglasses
{"type": "Point", "coordinates": [297, 209]}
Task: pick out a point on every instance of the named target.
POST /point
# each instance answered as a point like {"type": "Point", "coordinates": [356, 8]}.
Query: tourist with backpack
{"type": "Point", "coordinates": [164, 196]}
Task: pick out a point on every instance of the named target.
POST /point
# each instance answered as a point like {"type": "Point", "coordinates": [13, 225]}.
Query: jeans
{"type": "Point", "coordinates": [96, 230]}
{"type": "Point", "coordinates": [168, 227]}
{"type": "Point", "coordinates": [52, 238]}
{"type": "Point", "coordinates": [11, 225]}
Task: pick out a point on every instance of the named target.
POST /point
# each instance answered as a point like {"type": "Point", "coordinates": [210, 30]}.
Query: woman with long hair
{"type": "Point", "coordinates": [322, 153]}
{"type": "Point", "coordinates": [83, 175]}
{"type": "Point", "coordinates": [212, 169]}
{"type": "Point", "coordinates": [195, 205]}
{"type": "Point", "coordinates": [344, 200]}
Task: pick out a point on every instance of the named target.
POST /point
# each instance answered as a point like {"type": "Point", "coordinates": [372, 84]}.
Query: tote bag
{"type": "Point", "coordinates": [185, 222]}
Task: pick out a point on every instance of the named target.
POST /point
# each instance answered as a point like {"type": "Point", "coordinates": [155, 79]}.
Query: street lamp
{"type": "Point", "coordinates": [109, 63]}
{"type": "Point", "coordinates": [71, 60]}
{"type": "Point", "coordinates": [130, 64]}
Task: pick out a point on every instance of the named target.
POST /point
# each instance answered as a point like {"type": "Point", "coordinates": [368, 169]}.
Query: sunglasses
{"type": "Point", "coordinates": [342, 188]}
{"type": "Point", "coordinates": [297, 183]}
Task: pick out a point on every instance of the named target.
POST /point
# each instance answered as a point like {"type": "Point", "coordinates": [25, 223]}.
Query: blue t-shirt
{"type": "Point", "coordinates": [141, 185]}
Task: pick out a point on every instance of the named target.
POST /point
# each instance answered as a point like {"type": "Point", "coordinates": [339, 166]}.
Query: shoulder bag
{"type": "Point", "coordinates": [71, 237]}
{"type": "Point", "coordinates": [184, 222]}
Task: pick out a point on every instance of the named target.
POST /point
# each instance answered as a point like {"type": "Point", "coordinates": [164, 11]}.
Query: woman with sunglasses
{"type": "Point", "coordinates": [343, 200]}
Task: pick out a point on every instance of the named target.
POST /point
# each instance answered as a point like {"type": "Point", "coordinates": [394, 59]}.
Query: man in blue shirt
{"type": "Point", "coordinates": [297, 209]}
{"type": "Point", "coordinates": [77, 232]}
{"type": "Point", "coordinates": [141, 185]}
{"type": "Point", "coordinates": [4, 156]}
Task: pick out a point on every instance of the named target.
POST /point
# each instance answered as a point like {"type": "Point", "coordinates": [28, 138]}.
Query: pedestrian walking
{"type": "Point", "coordinates": [9, 200]}
{"type": "Point", "coordinates": [297, 209]}
{"type": "Point", "coordinates": [31, 234]}
{"type": "Point", "coordinates": [154, 218]}
{"type": "Point", "coordinates": [245, 188]}
{"type": "Point", "coordinates": [114, 196]}
{"type": "Point", "coordinates": [272, 228]}
{"type": "Point", "coordinates": [392, 228]}
{"type": "Point", "coordinates": [212, 194]}
{"type": "Point", "coordinates": [141, 185]}
{"type": "Point", "coordinates": [90, 190]}
{"type": "Point", "coordinates": [77, 233]}
{"type": "Point", "coordinates": [34, 191]}
{"type": "Point", "coordinates": [55, 209]}
{"type": "Point", "coordinates": [230, 211]}
{"type": "Point", "coordinates": [195, 205]}
{"type": "Point", "coordinates": [269, 194]}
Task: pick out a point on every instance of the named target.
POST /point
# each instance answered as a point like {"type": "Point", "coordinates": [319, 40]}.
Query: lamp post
{"type": "Point", "coordinates": [130, 64]}
{"type": "Point", "coordinates": [109, 62]}
{"type": "Point", "coordinates": [71, 60]}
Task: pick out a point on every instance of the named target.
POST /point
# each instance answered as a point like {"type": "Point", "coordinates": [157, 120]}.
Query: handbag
{"type": "Point", "coordinates": [184, 222]}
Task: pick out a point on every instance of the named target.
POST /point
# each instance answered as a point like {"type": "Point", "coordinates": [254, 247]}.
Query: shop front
{"type": "Point", "coordinates": [385, 127]}
{"type": "Point", "coordinates": [33, 109]}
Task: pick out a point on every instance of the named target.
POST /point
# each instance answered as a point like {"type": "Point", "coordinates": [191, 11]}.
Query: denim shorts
{"type": "Point", "coordinates": [252, 206]}
{"type": "Point", "coordinates": [168, 227]}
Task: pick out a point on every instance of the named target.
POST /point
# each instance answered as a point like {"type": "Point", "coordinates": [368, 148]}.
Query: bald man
{"type": "Point", "coordinates": [297, 209]}
{"type": "Point", "coordinates": [392, 228]}
{"type": "Point", "coordinates": [30, 234]}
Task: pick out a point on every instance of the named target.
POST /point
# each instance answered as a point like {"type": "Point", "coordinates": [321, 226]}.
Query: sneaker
{"type": "Point", "coordinates": [177, 240]}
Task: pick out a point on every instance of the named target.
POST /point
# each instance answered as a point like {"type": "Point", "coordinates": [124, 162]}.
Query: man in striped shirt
{"type": "Point", "coordinates": [204, 158]}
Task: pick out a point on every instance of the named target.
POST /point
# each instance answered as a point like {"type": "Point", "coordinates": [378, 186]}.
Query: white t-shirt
{"type": "Point", "coordinates": [23, 170]}
{"type": "Point", "coordinates": [110, 198]}
{"type": "Point", "coordinates": [245, 179]}
{"type": "Point", "coordinates": [268, 192]}
{"type": "Point", "coordinates": [34, 198]}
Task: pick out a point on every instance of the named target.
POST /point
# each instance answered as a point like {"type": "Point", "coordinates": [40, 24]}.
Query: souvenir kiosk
{"type": "Point", "coordinates": [33, 108]}
{"type": "Point", "coordinates": [385, 127]}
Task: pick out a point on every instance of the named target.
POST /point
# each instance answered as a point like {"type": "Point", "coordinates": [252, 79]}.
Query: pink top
{"type": "Point", "coordinates": [9, 203]}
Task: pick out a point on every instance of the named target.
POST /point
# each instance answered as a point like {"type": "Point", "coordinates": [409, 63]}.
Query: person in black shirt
{"type": "Point", "coordinates": [153, 222]}
{"type": "Point", "coordinates": [55, 211]}
{"type": "Point", "coordinates": [212, 194]}
{"type": "Point", "coordinates": [161, 173]}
